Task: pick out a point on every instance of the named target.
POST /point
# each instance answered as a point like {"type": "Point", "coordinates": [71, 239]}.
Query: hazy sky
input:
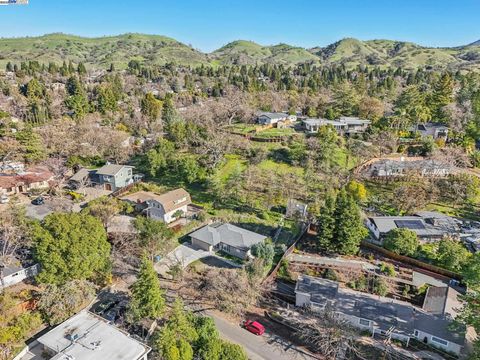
{"type": "Point", "coordinates": [210, 24]}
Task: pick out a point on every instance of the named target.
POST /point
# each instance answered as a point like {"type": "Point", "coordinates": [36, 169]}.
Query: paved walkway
{"type": "Point", "coordinates": [184, 255]}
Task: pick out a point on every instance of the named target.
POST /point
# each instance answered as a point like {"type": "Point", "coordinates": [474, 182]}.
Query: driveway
{"type": "Point", "coordinates": [184, 255]}
{"type": "Point", "coordinates": [266, 347]}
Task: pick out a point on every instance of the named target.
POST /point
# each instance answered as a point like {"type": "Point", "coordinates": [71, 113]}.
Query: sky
{"type": "Point", "coordinates": [210, 24]}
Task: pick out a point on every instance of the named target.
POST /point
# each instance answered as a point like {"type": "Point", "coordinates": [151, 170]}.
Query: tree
{"type": "Point", "coordinates": [71, 246]}
{"type": "Point", "coordinates": [59, 302]}
{"type": "Point", "coordinates": [31, 146]}
{"type": "Point", "coordinates": [14, 228]}
{"type": "Point", "coordinates": [148, 299]}
{"type": "Point", "coordinates": [442, 96]}
{"type": "Point", "coordinates": [232, 351]}
{"type": "Point", "coordinates": [154, 236]}
{"type": "Point", "coordinates": [452, 255]}
{"type": "Point", "coordinates": [357, 191]}
{"type": "Point", "coordinates": [471, 272]}
{"type": "Point", "coordinates": [349, 229]}
{"type": "Point", "coordinates": [401, 241]}
{"type": "Point", "coordinates": [77, 101]}
{"type": "Point", "coordinates": [371, 108]}
{"type": "Point", "coordinates": [326, 224]}
{"type": "Point", "coordinates": [104, 208]}
{"type": "Point", "coordinates": [264, 251]}
{"type": "Point", "coordinates": [151, 107]}
{"type": "Point", "coordinates": [160, 157]}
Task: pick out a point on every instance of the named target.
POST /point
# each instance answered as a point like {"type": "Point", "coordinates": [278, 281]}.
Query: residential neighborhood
{"type": "Point", "coordinates": [162, 200]}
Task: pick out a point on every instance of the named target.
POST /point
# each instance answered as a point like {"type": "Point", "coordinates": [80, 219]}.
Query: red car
{"type": "Point", "coordinates": [254, 327]}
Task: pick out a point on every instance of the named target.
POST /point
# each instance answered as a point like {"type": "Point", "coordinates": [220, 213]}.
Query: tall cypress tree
{"type": "Point", "coordinates": [349, 230]}
{"type": "Point", "coordinates": [148, 299]}
{"type": "Point", "coordinates": [326, 224]}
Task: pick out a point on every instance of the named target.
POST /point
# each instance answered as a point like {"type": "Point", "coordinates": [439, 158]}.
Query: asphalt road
{"type": "Point", "coordinates": [266, 347]}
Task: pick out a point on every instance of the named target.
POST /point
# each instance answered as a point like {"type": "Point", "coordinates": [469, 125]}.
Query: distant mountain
{"type": "Point", "coordinates": [102, 51]}
{"type": "Point", "coordinates": [248, 52]}
{"type": "Point", "coordinates": [476, 43]}
{"type": "Point", "coordinates": [155, 49]}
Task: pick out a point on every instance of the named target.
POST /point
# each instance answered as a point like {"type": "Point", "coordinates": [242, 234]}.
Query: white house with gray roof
{"type": "Point", "coordinates": [229, 238]}
{"type": "Point", "coordinates": [272, 118]}
{"type": "Point", "coordinates": [344, 125]}
{"type": "Point", "coordinates": [379, 315]}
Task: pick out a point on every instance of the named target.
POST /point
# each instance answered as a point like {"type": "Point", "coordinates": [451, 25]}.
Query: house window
{"type": "Point", "coordinates": [364, 322]}
{"type": "Point", "coordinates": [439, 341]}
{"type": "Point", "coordinates": [415, 333]}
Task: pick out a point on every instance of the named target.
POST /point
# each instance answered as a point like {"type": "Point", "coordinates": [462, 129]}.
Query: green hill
{"type": "Point", "coordinates": [247, 52]}
{"type": "Point", "coordinates": [99, 51]}
{"type": "Point", "coordinates": [155, 49]}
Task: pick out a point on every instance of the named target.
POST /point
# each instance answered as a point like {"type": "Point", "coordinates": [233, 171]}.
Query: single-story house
{"type": "Point", "coordinates": [111, 177]}
{"type": "Point", "coordinates": [272, 118]}
{"type": "Point", "coordinates": [34, 178]}
{"type": "Point", "coordinates": [388, 168]}
{"type": "Point", "coordinates": [86, 336]}
{"type": "Point", "coordinates": [226, 237]}
{"type": "Point", "coordinates": [442, 301]}
{"type": "Point", "coordinates": [379, 315]}
{"type": "Point", "coordinates": [12, 271]}
{"type": "Point", "coordinates": [344, 125]}
{"type": "Point", "coordinates": [166, 207]}
{"type": "Point", "coordinates": [428, 225]}
{"type": "Point", "coordinates": [436, 131]}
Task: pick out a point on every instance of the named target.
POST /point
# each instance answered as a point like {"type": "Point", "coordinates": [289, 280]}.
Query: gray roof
{"type": "Point", "coordinates": [442, 301]}
{"type": "Point", "coordinates": [273, 115]}
{"type": "Point", "coordinates": [228, 234]}
{"type": "Point", "coordinates": [424, 224]}
{"type": "Point", "coordinates": [350, 120]}
{"type": "Point", "coordinates": [112, 169]}
{"type": "Point", "coordinates": [384, 312]}
{"type": "Point", "coordinates": [95, 340]}
{"type": "Point", "coordinates": [429, 129]}
{"type": "Point", "coordinates": [81, 175]}
{"type": "Point", "coordinates": [399, 166]}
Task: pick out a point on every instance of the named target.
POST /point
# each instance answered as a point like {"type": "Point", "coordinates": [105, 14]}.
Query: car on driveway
{"type": "Point", "coordinates": [254, 327]}
{"type": "Point", "coordinates": [38, 201]}
{"type": "Point", "coordinates": [104, 307]}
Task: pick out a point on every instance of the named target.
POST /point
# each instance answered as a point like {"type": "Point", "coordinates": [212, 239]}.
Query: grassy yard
{"type": "Point", "coordinates": [242, 128]}
{"type": "Point", "coordinates": [274, 133]}
{"type": "Point", "coordinates": [280, 168]}
{"type": "Point", "coordinates": [233, 163]}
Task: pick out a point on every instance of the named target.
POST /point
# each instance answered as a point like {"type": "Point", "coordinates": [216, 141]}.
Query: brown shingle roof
{"type": "Point", "coordinates": [170, 200]}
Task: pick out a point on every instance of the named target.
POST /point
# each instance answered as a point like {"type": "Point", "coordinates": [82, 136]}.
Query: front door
{"type": "Point", "coordinates": [108, 187]}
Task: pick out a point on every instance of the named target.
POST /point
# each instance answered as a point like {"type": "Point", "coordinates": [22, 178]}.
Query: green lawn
{"type": "Point", "coordinates": [233, 163]}
{"type": "Point", "coordinates": [274, 132]}
{"type": "Point", "coordinates": [242, 128]}
{"type": "Point", "coordinates": [280, 168]}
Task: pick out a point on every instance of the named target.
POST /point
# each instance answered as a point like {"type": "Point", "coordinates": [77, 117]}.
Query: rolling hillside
{"type": "Point", "coordinates": [155, 49]}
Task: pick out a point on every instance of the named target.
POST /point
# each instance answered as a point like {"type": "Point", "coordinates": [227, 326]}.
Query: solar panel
{"type": "Point", "coordinates": [410, 224]}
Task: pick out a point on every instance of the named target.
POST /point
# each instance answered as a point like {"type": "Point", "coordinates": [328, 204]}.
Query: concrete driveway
{"type": "Point", "coordinates": [184, 255]}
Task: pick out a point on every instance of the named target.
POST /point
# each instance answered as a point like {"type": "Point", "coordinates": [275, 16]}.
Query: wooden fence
{"type": "Point", "coordinates": [411, 261]}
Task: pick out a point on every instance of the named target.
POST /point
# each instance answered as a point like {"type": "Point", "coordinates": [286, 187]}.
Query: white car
{"type": "Point", "coordinates": [4, 199]}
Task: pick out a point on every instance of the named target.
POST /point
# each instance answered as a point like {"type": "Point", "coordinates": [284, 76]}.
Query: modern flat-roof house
{"type": "Point", "coordinates": [226, 237]}
{"type": "Point", "coordinates": [388, 168]}
{"type": "Point", "coordinates": [166, 207]}
{"type": "Point", "coordinates": [428, 225]}
{"type": "Point", "coordinates": [379, 315]}
{"type": "Point", "coordinates": [344, 125]}
{"type": "Point", "coordinates": [86, 336]}
{"type": "Point", "coordinates": [272, 118]}
{"type": "Point", "coordinates": [436, 131]}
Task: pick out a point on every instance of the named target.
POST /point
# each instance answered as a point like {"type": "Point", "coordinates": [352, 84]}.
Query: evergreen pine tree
{"type": "Point", "coordinates": [326, 224]}
{"type": "Point", "coordinates": [349, 229]}
{"type": "Point", "coordinates": [148, 299]}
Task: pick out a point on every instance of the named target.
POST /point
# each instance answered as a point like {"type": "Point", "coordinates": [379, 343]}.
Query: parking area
{"type": "Point", "coordinates": [183, 255]}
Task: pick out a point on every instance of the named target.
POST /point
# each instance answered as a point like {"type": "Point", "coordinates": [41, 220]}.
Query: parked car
{"type": "Point", "coordinates": [38, 201]}
{"type": "Point", "coordinates": [4, 199]}
{"type": "Point", "coordinates": [104, 306]}
{"type": "Point", "coordinates": [254, 327]}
